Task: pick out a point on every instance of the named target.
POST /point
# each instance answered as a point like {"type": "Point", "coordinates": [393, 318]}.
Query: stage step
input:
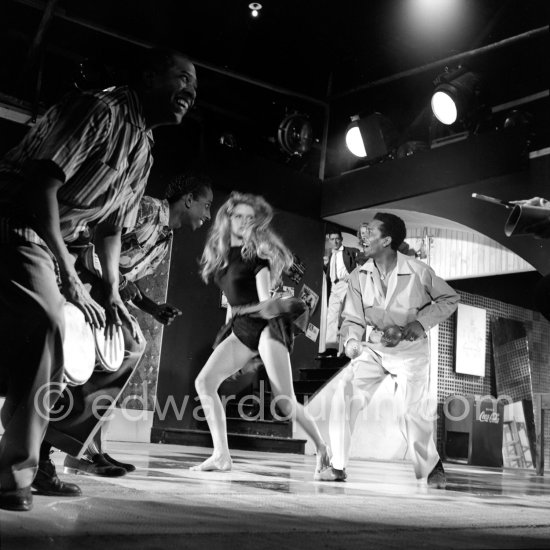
{"type": "Point", "coordinates": [308, 387]}
{"type": "Point", "coordinates": [332, 362]}
{"type": "Point", "coordinates": [323, 374]}
{"type": "Point", "coordinates": [202, 438]}
{"type": "Point", "coordinates": [250, 421]}
{"type": "Point", "coordinates": [272, 428]}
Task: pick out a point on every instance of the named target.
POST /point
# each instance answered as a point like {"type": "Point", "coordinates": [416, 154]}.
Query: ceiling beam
{"type": "Point", "coordinates": [16, 114]}
{"type": "Point", "coordinates": [461, 57]}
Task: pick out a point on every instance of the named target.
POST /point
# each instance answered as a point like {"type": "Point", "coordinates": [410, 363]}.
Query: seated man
{"type": "Point", "coordinates": [187, 204]}
{"type": "Point", "coordinates": [401, 298]}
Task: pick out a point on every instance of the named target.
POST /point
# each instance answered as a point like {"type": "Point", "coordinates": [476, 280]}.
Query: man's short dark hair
{"type": "Point", "coordinates": [183, 184]}
{"type": "Point", "coordinates": [392, 226]}
{"type": "Point", "coordinates": [335, 232]}
{"type": "Point", "coordinates": [152, 60]}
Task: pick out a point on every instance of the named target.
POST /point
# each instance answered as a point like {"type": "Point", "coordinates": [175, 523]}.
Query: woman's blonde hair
{"type": "Point", "coordinates": [258, 240]}
{"type": "Point", "coordinates": [363, 224]}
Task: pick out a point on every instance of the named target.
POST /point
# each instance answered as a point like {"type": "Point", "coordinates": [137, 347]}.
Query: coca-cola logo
{"type": "Point", "coordinates": [490, 416]}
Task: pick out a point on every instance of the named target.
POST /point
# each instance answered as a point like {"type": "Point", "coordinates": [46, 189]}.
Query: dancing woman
{"type": "Point", "coordinates": [245, 258]}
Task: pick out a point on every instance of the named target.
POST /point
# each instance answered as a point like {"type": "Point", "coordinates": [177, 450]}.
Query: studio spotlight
{"type": "Point", "coordinates": [371, 137]}
{"type": "Point", "coordinates": [295, 134]}
{"type": "Point", "coordinates": [456, 96]}
{"type": "Point", "coordinates": [228, 139]}
{"type": "Point", "coordinates": [354, 141]}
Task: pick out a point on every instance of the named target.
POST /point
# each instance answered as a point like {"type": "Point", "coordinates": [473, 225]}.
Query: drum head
{"type": "Point", "coordinates": [109, 348]}
{"type": "Point", "coordinates": [78, 347]}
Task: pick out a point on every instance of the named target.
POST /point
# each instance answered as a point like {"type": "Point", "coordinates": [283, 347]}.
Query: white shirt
{"type": "Point", "coordinates": [414, 293]}
{"type": "Point", "coordinates": [337, 267]}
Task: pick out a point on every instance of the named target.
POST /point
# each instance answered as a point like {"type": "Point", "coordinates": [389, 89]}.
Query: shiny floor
{"type": "Point", "coordinates": [269, 501]}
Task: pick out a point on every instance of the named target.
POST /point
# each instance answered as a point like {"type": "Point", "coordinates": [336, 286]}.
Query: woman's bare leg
{"type": "Point", "coordinates": [277, 365]}
{"type": "Point", "coordinates": [230, 356]}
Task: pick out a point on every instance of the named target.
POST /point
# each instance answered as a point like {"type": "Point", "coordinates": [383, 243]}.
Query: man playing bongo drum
{"type": "Point", "coordinates": [85, 164]}
{"type": "Point", "coordinates": [187, 204]}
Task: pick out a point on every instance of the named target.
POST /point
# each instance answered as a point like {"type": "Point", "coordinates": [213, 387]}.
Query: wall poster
{"type": "Point", "coordinates": [470, 340]}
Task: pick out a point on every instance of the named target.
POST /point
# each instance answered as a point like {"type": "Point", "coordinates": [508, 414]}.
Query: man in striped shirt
{"type": "Point", "coordinates": [86, 163]}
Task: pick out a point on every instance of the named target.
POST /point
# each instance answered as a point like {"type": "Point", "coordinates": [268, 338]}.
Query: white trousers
{"type": "Point", "coordinates": [408, 364]}
{"type": "Point", "coordinates": [334, 309]}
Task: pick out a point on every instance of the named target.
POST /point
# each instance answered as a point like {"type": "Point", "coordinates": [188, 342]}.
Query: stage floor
{"type": "Point", "coordinates": [269, 501]}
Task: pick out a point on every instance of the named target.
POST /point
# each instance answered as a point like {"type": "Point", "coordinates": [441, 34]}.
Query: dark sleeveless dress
{"type": "Point", "coordinates": [238, 283]}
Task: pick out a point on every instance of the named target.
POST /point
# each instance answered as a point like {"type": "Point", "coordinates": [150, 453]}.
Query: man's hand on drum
{"type": "Point", "coordinates": [116, 312]}
{"type": "Point", "coordinates": [165, 313]}
{"type": "Point", "coordinates": [76, 293]}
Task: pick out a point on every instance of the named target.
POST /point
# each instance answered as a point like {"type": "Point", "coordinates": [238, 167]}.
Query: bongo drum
{"type": "Point", "coordinates": [109, 348]}
{"type": "Point", "coordinates": [78, 347]}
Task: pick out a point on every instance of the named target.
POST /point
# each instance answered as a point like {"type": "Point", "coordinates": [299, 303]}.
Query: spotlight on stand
{"type": "Point", "coordinates": [456, 96]}
{"type": "Point", "coordinates": [371, 137]}
{"type": "Point", "coordinates": [295, 134]}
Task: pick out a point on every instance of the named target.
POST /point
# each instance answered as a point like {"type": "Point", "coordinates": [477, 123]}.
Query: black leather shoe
{"type": "Point", "coordinates": [437, 478]}
{"type": "Point", "coordinates": [125, 465]}
{"type": "Point", "coordinates": [17, 500]}
{"type": "Point", "coordinates": [47, 483]}
{"type": "Point", "coordinates": [95, 466]}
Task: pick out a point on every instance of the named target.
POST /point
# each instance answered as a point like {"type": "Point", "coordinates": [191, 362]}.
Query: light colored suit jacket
{"type": "Point", "coordinates": [415, 293]}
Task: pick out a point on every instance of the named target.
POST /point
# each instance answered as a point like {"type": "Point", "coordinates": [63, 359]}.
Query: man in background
{"type": "Point", "coordinates": [338, 266]}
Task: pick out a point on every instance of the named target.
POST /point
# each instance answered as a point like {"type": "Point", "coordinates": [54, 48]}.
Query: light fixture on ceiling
{"type": "Point", "coordinates": [354, 141]}
{"type": "Point", "coordinates": [254, 8]}
{"type": "Point", "coordinates": [517, 118]}
{"type": "Point", "coordinates": [371, 137]}
{"type": "Point", "coordinates": [456, 96]}
{"type": "Point", "coordinates": [228, 139]}
{"type": "Point", "coordinates": [295, 134]}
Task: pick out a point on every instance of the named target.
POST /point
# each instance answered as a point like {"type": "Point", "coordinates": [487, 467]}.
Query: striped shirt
{"type": "Point", "coordinates": [97, 144]}
{"type": "Point", "coordinates": [145, 246]}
